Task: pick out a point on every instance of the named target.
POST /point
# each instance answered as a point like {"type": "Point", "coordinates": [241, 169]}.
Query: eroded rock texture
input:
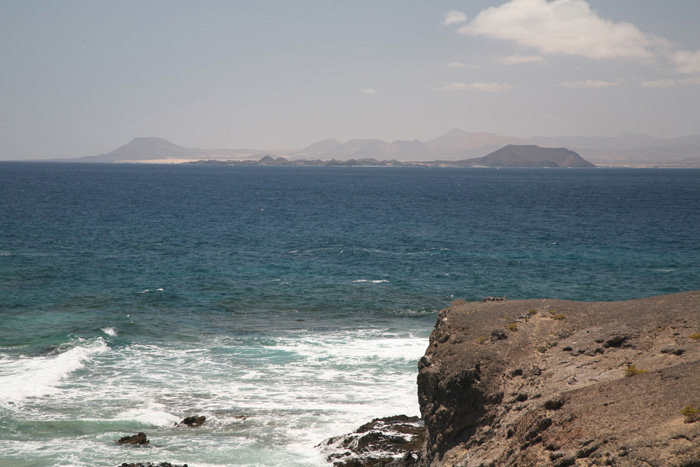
{"type": "Point", "coordinates": [389, 441]}
{"type": "Point", "coordinates": [560, 383]}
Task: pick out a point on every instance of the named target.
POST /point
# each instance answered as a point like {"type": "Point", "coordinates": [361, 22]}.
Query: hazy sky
{"type": "Point", "coordinates": [84, 77]}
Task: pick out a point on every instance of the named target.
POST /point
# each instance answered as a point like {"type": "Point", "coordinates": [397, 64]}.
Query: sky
{"type": "Point", "coordinates": [83, 77]}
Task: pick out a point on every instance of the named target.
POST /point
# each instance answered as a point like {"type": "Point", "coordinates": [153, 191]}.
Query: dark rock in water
{"type": "Point", "coordinates": [391, 441]}
{"type": "Point", "coordinates": [149, 464]}
{"type": "Point", "coordinates": [194, 421]}
{"type": "Point", "coordinates": [139, 438]}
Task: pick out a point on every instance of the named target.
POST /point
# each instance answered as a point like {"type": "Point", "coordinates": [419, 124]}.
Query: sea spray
{"type": "Point", "coordinates": [25, 377]}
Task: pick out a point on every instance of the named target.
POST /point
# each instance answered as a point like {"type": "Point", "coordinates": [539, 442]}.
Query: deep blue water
{"type": "Point", "coordinates": [260, 280]}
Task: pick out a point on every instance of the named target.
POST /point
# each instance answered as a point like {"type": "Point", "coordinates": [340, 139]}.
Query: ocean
{"type": "Point", "coordinates": [285, 304]}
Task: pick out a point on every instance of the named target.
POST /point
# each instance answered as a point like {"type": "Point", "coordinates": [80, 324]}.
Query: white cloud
{"type": "Point", "coordinates": [455, 65]}
{"type": "Point", "coordinates": [658, 83]}
{"type": "Point", "coordinates": [482, 87]}
{"type": "Point", "coordinates": [686, 62]}
{"type": "Point", "coordinates": [518, 59]}
{"type": "Point", "coordinates": [589, 84]}
{"type": "Point", "coordinates": [454, 17]}
{"type": "Point", "coordinates": [562, 27]}
{"type": "Point", "coordinates": [369, 91]}
{"type": "Point", "coordinates": [453, 87]}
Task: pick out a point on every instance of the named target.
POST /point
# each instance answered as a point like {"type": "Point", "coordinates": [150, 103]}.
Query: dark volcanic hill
{"type": "Point", "coordinates": [530, 156]}
{"type": "Point", "coordinates": [145, 149]}
{"type": "Point", "coordinates": [151, 148]}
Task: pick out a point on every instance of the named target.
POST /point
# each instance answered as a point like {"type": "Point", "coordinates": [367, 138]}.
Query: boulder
{"type": "Point", "coordinates": [139, 438]}
{"type": "Point", "coordinates": [194, 421]}
{"type": "Point", "coordinates": [390, 441]}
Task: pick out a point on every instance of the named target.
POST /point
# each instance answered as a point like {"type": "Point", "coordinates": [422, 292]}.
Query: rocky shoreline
{"type": "Point", "coordinates": [141, 439]}
{"type": "Point", "coordinates": [554, 383]}
{"type": "Point", "coordinates": [383, 441]}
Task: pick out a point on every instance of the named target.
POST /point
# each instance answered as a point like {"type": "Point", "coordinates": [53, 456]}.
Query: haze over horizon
{"type": "Point", "coordinates": [84, 77]}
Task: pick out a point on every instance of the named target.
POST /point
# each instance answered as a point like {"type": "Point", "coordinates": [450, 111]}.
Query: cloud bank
{"type": "Point", "coordinates": [518, 59]}
{"type": "Point", "coordinates": [658, 83]}
{"type": "Point", "coordinates": [687, 62]}
{"type": "Point", "coordinates": [481, 87]}
{"type": "Point", "coordinates": [562, 27]}
{"type": "Point", "coordinates": [454, 17]}
{"type": "Point", "coordinates": [589, 84]}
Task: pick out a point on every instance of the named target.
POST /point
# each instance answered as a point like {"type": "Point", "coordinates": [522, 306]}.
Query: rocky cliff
{"type": "Point", "coordinates": [559, 383]}
{"type": "Point", "coordinates": [550, 383]}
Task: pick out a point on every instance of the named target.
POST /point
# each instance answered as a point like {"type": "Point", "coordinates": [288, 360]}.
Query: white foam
{"type": "Point", "coordinates": [26, 377]}
{"type": "Point", "coordinates": [336, 382]}
{"type": "Point", "coordinates": [295, 390]}
{"type": "Point", "coordinates": [153, 414]}
{"type": "Point", "coordinates": [345, 347]}
{"type": "Point", "coordinates": [332, 373]}
{"type": "Point", "coordinates": [378, 281]}
{"type": "Point", "coordinates": [110, 331]}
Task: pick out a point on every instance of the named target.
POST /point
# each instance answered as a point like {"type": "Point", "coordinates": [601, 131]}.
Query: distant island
{"type": "Point", "coordinates": [160, 150]}
{"type": "Point", "coordinates": [514, 156]}
{"type": "Point", "coordinates": [454, 148]}
{"type": "Point", "coordinates": [529, 156]}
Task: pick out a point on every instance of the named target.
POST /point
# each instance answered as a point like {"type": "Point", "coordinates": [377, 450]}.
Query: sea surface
{"type": "Point", "coordinates": [286, 304]}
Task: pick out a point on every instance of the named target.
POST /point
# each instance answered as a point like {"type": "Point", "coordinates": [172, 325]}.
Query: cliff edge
{"type": "Point", "coordinates": [562, 383]}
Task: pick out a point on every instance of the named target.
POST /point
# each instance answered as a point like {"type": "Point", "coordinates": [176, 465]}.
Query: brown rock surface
{"type": "Point", "coordinates": [194, 421]}
{"type": "Point", "coordinates": [389, 441]}
{"type": "Point", "coordinates": [546, 383]}
{"type": "Point", "coordinates": [139, 439]}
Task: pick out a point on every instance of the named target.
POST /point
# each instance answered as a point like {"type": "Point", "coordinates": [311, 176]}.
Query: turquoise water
{"type": "Point", "coordinates": [285, 304]}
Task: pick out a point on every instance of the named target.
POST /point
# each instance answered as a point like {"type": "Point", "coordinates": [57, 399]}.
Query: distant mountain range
{"type": "Point", "coordinates": [455, 145]}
